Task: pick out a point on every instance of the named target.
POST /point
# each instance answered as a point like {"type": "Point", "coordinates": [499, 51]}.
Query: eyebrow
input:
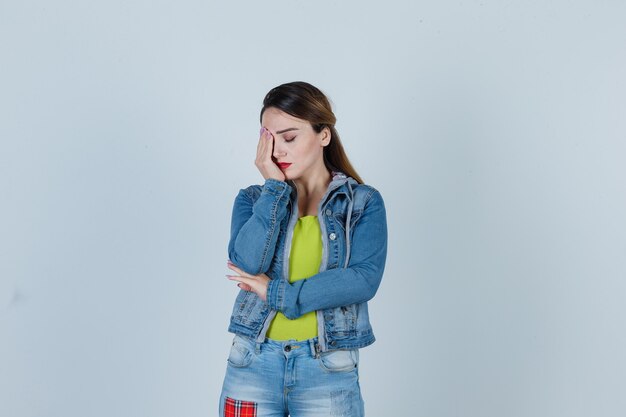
{"type": "Point", "coordinates": [286, 130]}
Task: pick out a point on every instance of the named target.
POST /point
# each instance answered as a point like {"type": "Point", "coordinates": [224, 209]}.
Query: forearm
{"type": "Point", "coordinates": [329, 289]}
{"type": "Point", "coordinates": [255, 226]}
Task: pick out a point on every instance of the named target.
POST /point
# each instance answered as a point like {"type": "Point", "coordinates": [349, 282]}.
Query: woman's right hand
{"type": "Point", "coordinates": [264, 161]}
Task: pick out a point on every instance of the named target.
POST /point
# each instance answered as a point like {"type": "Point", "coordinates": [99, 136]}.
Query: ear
{"type": "Point", "coordinates": [326, 136]}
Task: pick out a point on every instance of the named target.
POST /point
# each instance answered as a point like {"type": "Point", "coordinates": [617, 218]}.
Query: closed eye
{"type": "Point", "coordinates": [290, 139]}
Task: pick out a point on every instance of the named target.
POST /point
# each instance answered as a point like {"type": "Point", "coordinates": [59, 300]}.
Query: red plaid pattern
{"type": "Point", "coordinates": [236, 408]}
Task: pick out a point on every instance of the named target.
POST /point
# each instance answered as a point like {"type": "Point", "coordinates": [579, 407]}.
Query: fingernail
{"type": "Point", "coordinates": [261, 131]}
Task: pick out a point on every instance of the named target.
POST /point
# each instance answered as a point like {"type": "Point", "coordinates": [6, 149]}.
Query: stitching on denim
{"type": "Point", "coordinates": [282, 294]}
{"type": "Point", "coordinates": [270, 232]}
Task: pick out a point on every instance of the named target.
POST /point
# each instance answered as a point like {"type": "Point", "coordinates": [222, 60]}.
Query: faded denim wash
{"type": "Point", "coordinates": [280, 378]}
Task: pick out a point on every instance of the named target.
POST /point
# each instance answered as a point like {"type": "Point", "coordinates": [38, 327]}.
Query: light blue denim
{"type": "Point", "coordinates": [354, 240]}
{"type": "Point", "coordinates": [292, 378]}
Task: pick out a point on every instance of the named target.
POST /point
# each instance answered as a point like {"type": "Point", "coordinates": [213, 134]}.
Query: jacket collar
{"type": "Point", "coordinates": [340, 184]}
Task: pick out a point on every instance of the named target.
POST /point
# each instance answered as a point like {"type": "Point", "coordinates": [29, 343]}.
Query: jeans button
{"type": "Point", "coordinates": [287, 348]}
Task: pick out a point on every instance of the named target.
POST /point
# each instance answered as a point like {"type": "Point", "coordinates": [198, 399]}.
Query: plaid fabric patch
{"type": "Point", "coordinates": [236, 408]}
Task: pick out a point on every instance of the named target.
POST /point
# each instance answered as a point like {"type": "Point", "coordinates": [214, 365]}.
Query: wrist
{"type": "Point", "coordinates": [274, 295]}
{"type": "Point", "coordinates": [276, 187]}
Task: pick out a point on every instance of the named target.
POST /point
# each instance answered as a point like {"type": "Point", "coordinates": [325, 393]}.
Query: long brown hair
{"type": "Point", "coordinates": [307, 102]}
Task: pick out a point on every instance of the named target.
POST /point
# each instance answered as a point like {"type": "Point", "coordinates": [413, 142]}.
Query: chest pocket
{"type": "Point", "coordinates": [340, 219]}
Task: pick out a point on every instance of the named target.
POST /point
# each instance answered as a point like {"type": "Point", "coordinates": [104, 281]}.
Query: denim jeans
{"type": "Point", "coordinates": [290, 378]}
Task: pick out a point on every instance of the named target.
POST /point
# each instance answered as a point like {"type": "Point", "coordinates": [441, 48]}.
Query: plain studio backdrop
{"type": "Point", "coordinates": [495, 131]}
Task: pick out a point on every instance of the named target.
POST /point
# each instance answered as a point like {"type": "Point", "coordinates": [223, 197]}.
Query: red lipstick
{"type": "Point", "coordinates": [283, 165]}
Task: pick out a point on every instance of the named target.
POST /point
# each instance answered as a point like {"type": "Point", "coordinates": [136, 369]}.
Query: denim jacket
{"type": "Point", "coordinates": [354, 240]}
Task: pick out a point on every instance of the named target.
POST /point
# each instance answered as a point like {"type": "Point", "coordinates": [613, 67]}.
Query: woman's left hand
{"type": "Point", "coordinates": [255, 283]}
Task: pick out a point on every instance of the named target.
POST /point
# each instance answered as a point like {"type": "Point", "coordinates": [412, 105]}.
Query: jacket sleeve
{"type": "Point", "coordinates": [255, 226]}
{"type": "Point", "coordinates": [341, 286]}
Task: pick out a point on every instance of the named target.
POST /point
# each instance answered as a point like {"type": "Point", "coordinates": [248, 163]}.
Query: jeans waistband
{"type": "Point", "coordinates": [310, 345]}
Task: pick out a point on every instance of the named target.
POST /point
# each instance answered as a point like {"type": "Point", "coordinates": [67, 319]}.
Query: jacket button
{"type": "Point", "coordinates": [332, 236]}
{"type": "Point", "coordinates": [328, 212]}
{"type": "Point", "coordinates": [333, 343]}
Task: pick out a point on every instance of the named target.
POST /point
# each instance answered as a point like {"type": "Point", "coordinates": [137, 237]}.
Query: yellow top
{"type": "Point", "coordinates": [304, 261]}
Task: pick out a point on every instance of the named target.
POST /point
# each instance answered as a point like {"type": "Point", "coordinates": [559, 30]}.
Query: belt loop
{"type": "Point", "coordinates": [315, 348]}
{"type": "Point", "coordinates": [258, 348]}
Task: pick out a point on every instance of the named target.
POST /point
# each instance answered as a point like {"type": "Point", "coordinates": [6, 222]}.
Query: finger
{"type": "Point", "coordinates": [270, 145]}
{"type": "Point", "coordinates": [264, 138]}
{"type": "Point", "coordinates": [243, 280]}
{"type": "Point", "coordinates": [232, 267]}
{"type": "Point", "coordinates": [260, 149]}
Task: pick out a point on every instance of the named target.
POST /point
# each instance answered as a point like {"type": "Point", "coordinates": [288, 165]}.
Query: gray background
{"type": "Point", "coordinates": [495, 131]}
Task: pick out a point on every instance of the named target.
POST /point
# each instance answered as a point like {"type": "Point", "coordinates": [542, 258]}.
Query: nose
{"type": "Point", "coordinates": [279, 150]}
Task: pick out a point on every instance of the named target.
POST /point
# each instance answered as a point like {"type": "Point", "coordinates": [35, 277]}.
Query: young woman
{"type": "Point", "coordinates": [307, 250]}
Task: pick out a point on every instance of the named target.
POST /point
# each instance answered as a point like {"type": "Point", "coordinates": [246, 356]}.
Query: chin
{"type": "Point", "coordinates": [290, 177]}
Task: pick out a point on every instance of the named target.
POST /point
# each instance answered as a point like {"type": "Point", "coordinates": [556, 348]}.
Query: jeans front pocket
{"type": "Point", "coordinates": [339, 360]}
{"type": "Point", "coordinates": [241, 352]}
